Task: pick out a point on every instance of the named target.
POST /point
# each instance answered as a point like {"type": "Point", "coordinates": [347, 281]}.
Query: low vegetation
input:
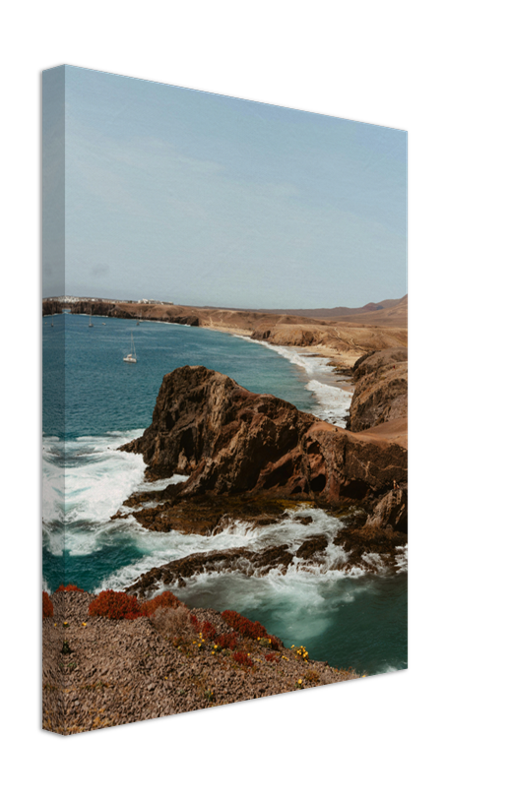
{"type": "Point", "coordinates": [173, 620]}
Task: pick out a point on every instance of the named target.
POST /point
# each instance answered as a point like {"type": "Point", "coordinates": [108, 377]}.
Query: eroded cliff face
{"type": "Point", "coordinates": [381, 389]}
{"type": "Point", "coordinates": [229, 440]}
{"type": "Point", "coordinates": [254, 457]}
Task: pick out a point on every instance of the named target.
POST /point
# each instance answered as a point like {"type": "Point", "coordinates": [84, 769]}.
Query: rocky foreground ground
{"type": "Point", "coordinates": [100, 672]}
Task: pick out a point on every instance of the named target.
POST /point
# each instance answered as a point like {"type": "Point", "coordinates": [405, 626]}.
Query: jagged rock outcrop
{"type": "Point", "coordinates": [391, 510]}
{"type": "Point", "coordinates": [248, 457]}
{"type": "Point", "coordinates": [381, 389]}
{"type": "Point", "coordinates": [229, 440]}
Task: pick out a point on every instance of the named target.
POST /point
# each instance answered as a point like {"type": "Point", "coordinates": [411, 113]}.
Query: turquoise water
{"type": "Point", "coordinates": [104, 393]}
{"type": "Point", "coordinates": [355, 620]}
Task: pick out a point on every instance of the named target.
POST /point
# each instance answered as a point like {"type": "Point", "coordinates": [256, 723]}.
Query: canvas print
{"type": "Point", "coordinates": [224, 453]}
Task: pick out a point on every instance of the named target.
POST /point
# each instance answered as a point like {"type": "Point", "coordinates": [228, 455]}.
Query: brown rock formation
{"type": "Point", "coordinates": [390, 510]}
{"type": "Point", "coordinates": [229, 440]}
{"type": "Point", "coordinates": [249, 457]}
{"type": "Point", "coordinates": [381, 389]}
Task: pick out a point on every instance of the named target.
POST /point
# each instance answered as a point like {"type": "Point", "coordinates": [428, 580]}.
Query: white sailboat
{"type": "Point", "coordinates": [90, 324]}
{"type": "Point", "coordinates": [131, 357]}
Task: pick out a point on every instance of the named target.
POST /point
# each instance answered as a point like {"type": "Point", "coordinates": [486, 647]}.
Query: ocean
{"type": "Point", "coordinates": [357, 620]}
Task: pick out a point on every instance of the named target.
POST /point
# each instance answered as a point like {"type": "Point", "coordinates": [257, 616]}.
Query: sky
{"type": "Point", "coordinates": [155, 191]}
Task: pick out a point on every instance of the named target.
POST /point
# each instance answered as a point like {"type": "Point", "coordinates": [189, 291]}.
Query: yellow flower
{"type": "Point", "coordinates": [84, 624]}
{"type": "Point", "coordinates": [300, 680]}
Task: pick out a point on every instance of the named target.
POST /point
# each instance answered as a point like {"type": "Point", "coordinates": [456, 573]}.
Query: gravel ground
{"type": "Point", "coordinates": [99, 672]}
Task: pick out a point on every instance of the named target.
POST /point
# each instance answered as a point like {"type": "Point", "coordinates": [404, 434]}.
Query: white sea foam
{"type": "Point", "coordinates": [389, 668]}
{"type": "Point", "coordinates": [332, 402]}
{"type": "Point", "coordinates": [53, 487]}
{"type": "Point", "coordinates": [301, 601]}
{"type": "Point", "coordinates": [402, 558]}
{"type": "Point", "coordinates": [158, 486]}
{"type": "Point", "coordinates": [98, 477]}
{"type": "Point", "coordinates": [302, 576]}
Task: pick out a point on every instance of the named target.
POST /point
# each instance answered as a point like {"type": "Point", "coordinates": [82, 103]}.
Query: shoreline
{"type": "Point", "coordinates": [346, 342]}
{"type": "Point", "coordinates": [392, 432]}
{"type": "Point", "coordinates": [334, 358]}
{"type": "Point", "coordinates": [324, 351]}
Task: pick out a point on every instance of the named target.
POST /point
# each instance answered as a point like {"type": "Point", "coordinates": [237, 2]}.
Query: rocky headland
{"type": "Point", "coordinates": [254, 457]}
{"type": "Point", "coordinates": [380, 400]}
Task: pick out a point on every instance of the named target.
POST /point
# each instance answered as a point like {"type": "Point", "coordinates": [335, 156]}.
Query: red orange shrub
{"type": "Point", "coordinates": [244, 626]}
{"type": "Point", "coordinates": [119, 605]}
{"type": "Point", "coordinates": [208, 631]}
{"type": "Point", "coordinates": [114, 605]}
{"type": "Point", "coordinates": [47, 606]}
{"type": "Point", "coordinates": [227, 640]}
{"type": "Point", "coordinates": [69, 588]}
{"type": "Point", "coordinates": [242, 659]}
{"type": "Point", "coordinates": [206, 628]}
{"type": "Point", "coordinates": [164, 600]}
{"type": "Point", "coordinates": [271, 657]}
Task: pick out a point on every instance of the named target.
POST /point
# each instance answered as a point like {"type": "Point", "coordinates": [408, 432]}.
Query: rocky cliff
{"type": "Point", "coordinates": [254, 457]}
{"type": "Point", "coordinates": [229, 440]}
{"type": "Point", "coordinates": [381, 389]}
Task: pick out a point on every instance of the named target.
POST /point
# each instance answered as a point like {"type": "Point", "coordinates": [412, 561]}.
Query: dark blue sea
{"type": "Point", "coordinates": [93, 402]}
